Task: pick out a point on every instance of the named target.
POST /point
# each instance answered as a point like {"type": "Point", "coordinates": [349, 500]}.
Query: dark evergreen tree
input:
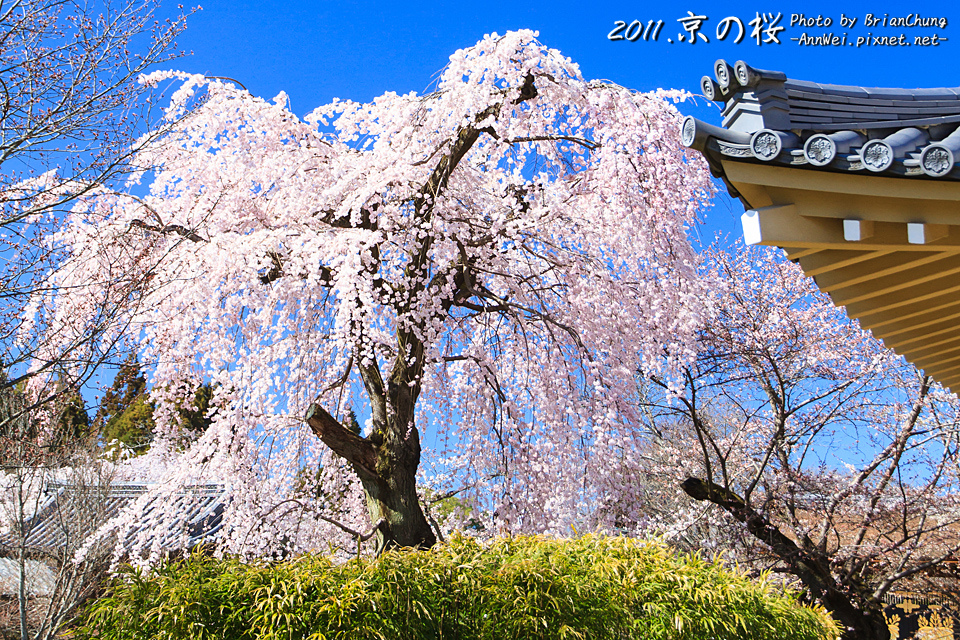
{"type": "Point", "coordinates": [126, 411]}
{"type": "Point", "coordinates": [193, 417]}
{"type": "Point", "coordinates": [73, 421]}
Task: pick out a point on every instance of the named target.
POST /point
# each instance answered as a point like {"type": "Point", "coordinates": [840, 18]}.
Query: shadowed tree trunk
{"type": "Point", "coordinates": [859, 613]}
{"type": "Point", "coordinates": [386, 464]}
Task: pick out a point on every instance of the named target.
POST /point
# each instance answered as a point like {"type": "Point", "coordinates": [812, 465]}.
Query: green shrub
{"type": "Point", "coordinates": [592, 587]}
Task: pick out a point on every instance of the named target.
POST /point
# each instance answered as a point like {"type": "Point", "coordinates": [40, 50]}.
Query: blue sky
{"type": "Point", "coordinates": [317, 50]}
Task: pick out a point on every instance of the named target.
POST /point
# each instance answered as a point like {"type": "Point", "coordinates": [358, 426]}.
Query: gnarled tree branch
{"type": "Point", "coordinates": [358, 451]}
{"type": "Point", "coordinates": [813, 571]}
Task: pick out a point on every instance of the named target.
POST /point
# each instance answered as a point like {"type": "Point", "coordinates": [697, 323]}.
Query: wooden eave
{"type": "Point", "coordinates": [886, 248]}
{"type": "Point", "coordinates": [881, 238]}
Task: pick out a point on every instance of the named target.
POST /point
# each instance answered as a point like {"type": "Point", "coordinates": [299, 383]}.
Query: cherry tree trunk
{"type": "Point", "coordinates": [392, 493]}
{"type": "Point", "coordinates": [867, 623]}
{"type": "Point", "coordinates": [386, 463]}
{"type": "Point", "coordinates": [860, 616]}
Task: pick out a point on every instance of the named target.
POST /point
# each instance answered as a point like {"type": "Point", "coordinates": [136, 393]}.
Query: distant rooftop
{"type": "Point", "coordinates": [70, 514]}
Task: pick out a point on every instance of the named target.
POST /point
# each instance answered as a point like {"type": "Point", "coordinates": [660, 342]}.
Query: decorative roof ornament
{"type": "Point", "coordinates": [765, 145]}
{"type": "Point", "coordinates": [936, 160]}
{"type": "Point", "coordinates": [876, 156]}
{"type": "Point", "coordinates": [939, 158]}
{"type": "Point", "coordinates": [689, 131]}
{"type": "Point", "coordinates": [723, 73]}
{"type": "Point", "coordinates": [834, 127]}
{"type": "Point", "coordinates": [820, 150]}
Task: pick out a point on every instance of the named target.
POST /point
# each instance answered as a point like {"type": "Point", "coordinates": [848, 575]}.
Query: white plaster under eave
{"type": "Point", "coordinates": [751, 221]}
{"type": "Point", "coordinates": [857, 230]}
{"type": "Point", "coordinates": [918, 233]}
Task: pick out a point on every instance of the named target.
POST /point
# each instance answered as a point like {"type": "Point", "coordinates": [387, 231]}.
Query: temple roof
{"type": "Point", "coordinates": [770, 118]}
{"type": "Point", "coordinates": [858, 185]}
{"type": "Point", "coordinates": [70, 514]}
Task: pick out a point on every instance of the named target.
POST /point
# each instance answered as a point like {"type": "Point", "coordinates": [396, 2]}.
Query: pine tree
{"type": "Point", "coordinates": [126, 413]}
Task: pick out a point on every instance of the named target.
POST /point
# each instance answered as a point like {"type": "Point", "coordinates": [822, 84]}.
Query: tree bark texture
{"type": "Point", "coordinates": [386, 464]}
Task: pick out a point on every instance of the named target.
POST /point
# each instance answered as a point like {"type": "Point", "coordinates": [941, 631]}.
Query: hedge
{"type": "Point", "coordinates": [520, 587]}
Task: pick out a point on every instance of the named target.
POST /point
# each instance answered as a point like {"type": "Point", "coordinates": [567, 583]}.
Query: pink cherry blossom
{"type": "Point", "coordinates": [485, 268]}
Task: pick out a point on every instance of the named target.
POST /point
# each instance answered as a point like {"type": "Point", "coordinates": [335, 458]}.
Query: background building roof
{"type": "Point", "coordinates": [71, 514]}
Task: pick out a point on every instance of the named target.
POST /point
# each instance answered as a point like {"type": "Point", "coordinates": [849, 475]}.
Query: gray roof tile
{"type": "Point", "coordinates": [66, 518]}
{"type": "Point", "coordinates": [808, 108]}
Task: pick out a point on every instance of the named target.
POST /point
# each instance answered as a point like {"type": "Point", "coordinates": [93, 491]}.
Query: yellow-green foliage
{"type": "Point", "coordinates": [592, 587]}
